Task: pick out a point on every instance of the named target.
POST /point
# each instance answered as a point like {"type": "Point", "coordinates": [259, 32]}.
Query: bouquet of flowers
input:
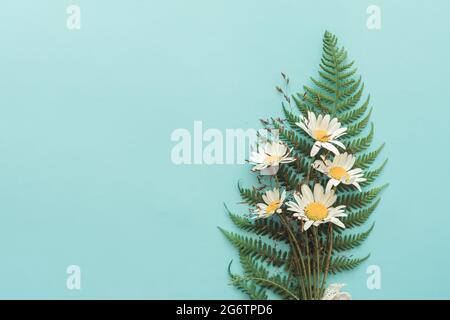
{"type": "Point", "coordinates": [314, 183]}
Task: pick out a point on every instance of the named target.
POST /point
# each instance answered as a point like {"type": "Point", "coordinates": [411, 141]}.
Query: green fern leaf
{"type": "Point", "coordinates": [258, 274]}
{"type": "Point", "coordinates": [361, 144]}
{"type": "Point", "coordinates": [354, 115]}
{"type": "Point", "coordinates": [358, 218]}
{"type": "Point", "coordinates": [250, 289]}
{"type": "Point", "coordinates": [357, 200]}
{"type": "Point", "coordinates": [372, 175]}
{"type": "Point", "coordinates": [301, 145]}
{"type": "Point", "coordinates": [363, 161]}
{"type": "Point", "coordinates": [250, 196]}
{"type": "Point", "coordinates": [357, 128]}
{"type": "Point", "coordinates": [350, 241]}
{"type": "Point", "coordinates": [342, 263]}
{"type": "Point", "coordinates": [256, 248]}
{"type": "Point", "coordinates": [301, 106]}
{"type": "Point", "coordinates": [261, 227]}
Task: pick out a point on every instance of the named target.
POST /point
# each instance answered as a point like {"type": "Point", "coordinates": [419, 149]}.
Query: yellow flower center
{"type": "Point", "coordinates": [272, 159]}
{"type": "Point", "coordinates": [338, 173]}
{"type": "Point", "coordinates": [273, 206]}
{"type": "Point", "coordinates": [321, 135]}
{"type": "Point", "coordinates": [316, 211]}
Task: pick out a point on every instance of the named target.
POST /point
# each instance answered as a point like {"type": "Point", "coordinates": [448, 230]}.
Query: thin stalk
{"type": "Point", "coordinates": [311, 286]}
{"type": "Point", "coordinates": [275, 285]}
{"type": "Point", "coordinates": [294, 246]}
{"type": "Point", "coordinates": [317, 247]}
{"type": "Point", "coordinates": [330, 249]}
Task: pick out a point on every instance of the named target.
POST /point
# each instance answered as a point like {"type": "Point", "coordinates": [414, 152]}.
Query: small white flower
{"type": "Point", "coordinates": [316, 208]}
{"type": "Point", "coordinates": [340, 170]}
{"type": "Point", "coordinates": [273, 202]}
{"type": "Point", "coordinates": [333, 292]}
{"type": "Point", "coordinates": [270, 155]}
{"type": "Point", "coordinates": [324, 130]}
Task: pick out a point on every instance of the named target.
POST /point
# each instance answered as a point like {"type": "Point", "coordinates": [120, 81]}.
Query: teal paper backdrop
{"type": "Point", "coordinates": [86, 176]}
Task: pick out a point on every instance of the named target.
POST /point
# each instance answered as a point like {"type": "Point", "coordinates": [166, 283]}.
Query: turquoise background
{"type": "Point", "coordinates": [86, 117]}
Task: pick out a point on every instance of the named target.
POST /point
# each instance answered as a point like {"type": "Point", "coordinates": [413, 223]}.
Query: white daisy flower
{"type": "Point", "coordinates": [315, 208]}
{"type": "Point", "coordinates": [269, 156]}
{"type": "Point", "coordinates": [333, 292]}
{"type": "Point", "coordinates": [273, 202]}
{"type": "Point", "coordinates": [324, 130]}
{"type": "Point", "coordinates": [340, 170]}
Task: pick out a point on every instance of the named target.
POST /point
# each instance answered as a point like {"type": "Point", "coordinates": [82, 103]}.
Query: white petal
{"type": "Point", "coordinates": [307, 193]}
{"type": "Point", "coordinates": [334, 125]}
{"type": "Point", "coordinates": [304, 127]}
{"type": "Point", "coordinates": [355, 171]}
{"type": "Point", "coordinates": [319, 122]}
{"type": "Point", "coordinates": [338, 143]}
{"type": "Point", "coordinates": [308, 224]}
{"type": "Point", "coordinates": [330, 185]}
{"type": "Point", "coordinates": [331, 199]}
{"type": "Point", "coordinates": [315, 148]}
{"type": "Point", "coordinates": [326, 121]}
{"type": "Point", "coordinates": [339, 132]}
{"type": "Point", "coordinates": [318, 193]}
{"type": "Point", "coordinates": [330, 147]}
{"type": "Point", "coordinates": [337, 222]}
{"type": "Point", "coordinates": [283, 196]}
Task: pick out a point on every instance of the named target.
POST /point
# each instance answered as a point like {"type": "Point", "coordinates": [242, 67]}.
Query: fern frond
{"type": "Point", "coordinates": [261, 227]}
{"type": "Point", "coordinates": [350, 241]}
{"type": "Point", "coordinates": [301, 106]}
{"type": "Point", "coordinates": [250, 289]}
{"type": "Point", "coordinates": [363, 161]}
{"type": "Point", "coordinates": [291, 118]}
{"type": "Point", "coordinates": [361, 144]}
{"type": "Point", "coordinates": [314, 103]}
{"type": "Point", "coordinates": [257, 273]}
{"type": "Point", "coordinates": [324, 86]}
{"type": "Point", "coordinates": [346, 75]}
{"type": "Point", "coordinates": [358, 218]}
{"type": "Point", "coordinates": [350, 102]}
{"type": "Point", "coordinates": [299, 144]}
{"type": "Point", "coordinates": [250, 196]}
{"type": "Point", "coordinates": [357, 200]}
{"type": "Point", "coordinates": [353, 115]}
{"type": "Point", "coordinates": [290, 178]}
{"type": "Point", "coordinates": [342, 263]}
{"type": "Point", "coordinates": [346, 66]}
{"type": "Point", "coordinates": [372, 175]}
{"type": "Point", "coordinates": [256, 248]}
{"type": "Point", "coordinates": [357, 128]}
{"type": "Point", "coordinates": [318, 94]}
{"type": "Point", "coordinates": [350, 87]}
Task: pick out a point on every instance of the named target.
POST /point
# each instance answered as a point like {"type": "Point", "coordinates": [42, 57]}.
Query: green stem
{"type": "Point", "coordinates": [309, 265]}
{"type": "Point", "coordinates": [330, 249]}
{"type": "Point", "coordinates": [274, 284]}
{"type": "Point", "coordinates": [317, 247]}
{"type": "Point", "coordinates": [298, 255]}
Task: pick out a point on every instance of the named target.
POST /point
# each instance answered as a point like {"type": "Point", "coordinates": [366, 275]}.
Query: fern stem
{"type": "Point", "coordinates": [298, 255]}
{"type": "Point", "coordinates": [330, 249]}
{"type": "Point", "coordinates": [310, 282]}
{"type": "Point", "coordinates": [275, 285]}
{"type": "Point", "coordinates": [317, 247]}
